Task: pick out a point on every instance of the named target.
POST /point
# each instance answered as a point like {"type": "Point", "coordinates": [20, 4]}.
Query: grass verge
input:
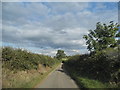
{"type": "Point", "coordinates": [38, 80]}
{"type": "Point", "coordinates": [24, 79]}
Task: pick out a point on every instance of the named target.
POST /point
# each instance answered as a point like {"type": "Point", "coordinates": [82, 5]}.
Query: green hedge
{"type": "Point", "coordinates": [17, 59]}
{"type": "Point", "coordinates": [103, 65]}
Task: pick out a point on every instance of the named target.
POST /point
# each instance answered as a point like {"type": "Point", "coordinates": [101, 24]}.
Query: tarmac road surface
{"type": "Point", "coordinates": [58, 79]}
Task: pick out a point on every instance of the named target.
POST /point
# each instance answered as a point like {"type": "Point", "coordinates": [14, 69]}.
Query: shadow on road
{"type": "Point", "coordinates": [60, 70]}
{"type": "Point", "coordinates": [63, 70]}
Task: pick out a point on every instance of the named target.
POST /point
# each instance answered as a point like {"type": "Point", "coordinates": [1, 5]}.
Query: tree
{"type": "Point", "coordinates": [60, 54]}
{"type": "Point", "coordinates": [102, 37]}
{"type": "Point", "coordinates": [118, 34]}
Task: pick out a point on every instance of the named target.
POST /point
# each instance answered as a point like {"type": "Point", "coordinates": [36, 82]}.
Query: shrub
{"type": "Point", "coordinates": [17, 59]}
{"type": "Point", "coordinates": [103, 65]}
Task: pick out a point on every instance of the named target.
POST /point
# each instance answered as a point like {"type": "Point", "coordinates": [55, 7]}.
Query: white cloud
{"type": "Point", "coordinates": [52, 25]}
{"type": "Point", "coordinates": [23, 13]}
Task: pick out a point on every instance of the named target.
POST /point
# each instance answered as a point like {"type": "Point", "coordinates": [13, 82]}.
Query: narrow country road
{"type": "Point", "coordinates": [58, 79]}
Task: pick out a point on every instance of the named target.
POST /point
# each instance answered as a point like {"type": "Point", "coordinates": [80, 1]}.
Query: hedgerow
{"type": "Point", "coordinates": [103, 65]}
{"type": "Point", "coordinates": [18, 59]}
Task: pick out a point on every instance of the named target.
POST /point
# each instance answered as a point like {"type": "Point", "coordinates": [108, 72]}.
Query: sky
{"type": "Point", "coordinates": [45, 27]}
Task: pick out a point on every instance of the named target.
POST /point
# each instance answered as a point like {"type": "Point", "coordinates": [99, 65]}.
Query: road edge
{"type": "Point", "coordinates": [37, 86]}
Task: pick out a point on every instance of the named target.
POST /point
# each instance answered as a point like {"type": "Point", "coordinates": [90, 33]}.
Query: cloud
{"type": "Point", "coordinates": [44, 37]}
{"type": "Point", "coordinates": [46, 27]}
{"type": "Point", "coordinates": [22, 13]}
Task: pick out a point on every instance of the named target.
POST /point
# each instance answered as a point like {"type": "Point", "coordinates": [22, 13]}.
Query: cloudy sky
{"type": "Point", "coordinates": [45, 27]}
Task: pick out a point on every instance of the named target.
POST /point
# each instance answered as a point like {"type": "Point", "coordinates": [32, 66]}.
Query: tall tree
{"type": "Point", "coordinates": [102, 37]}
{"type": "Point", "coordinates": [60, 54]}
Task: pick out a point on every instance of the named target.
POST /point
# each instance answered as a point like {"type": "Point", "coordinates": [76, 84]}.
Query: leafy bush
{"type": "Point", "coordinates": [17, 59]}
{"type": "Point", "coordinates": [103, 65]}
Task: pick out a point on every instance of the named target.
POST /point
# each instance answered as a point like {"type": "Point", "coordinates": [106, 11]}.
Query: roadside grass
{"type": "Point", "coordinates": [38, 80]}
{"type": "Point", "coordinates": [24, 79]}
{"type": "Point", "coordinates": [88, 83]}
